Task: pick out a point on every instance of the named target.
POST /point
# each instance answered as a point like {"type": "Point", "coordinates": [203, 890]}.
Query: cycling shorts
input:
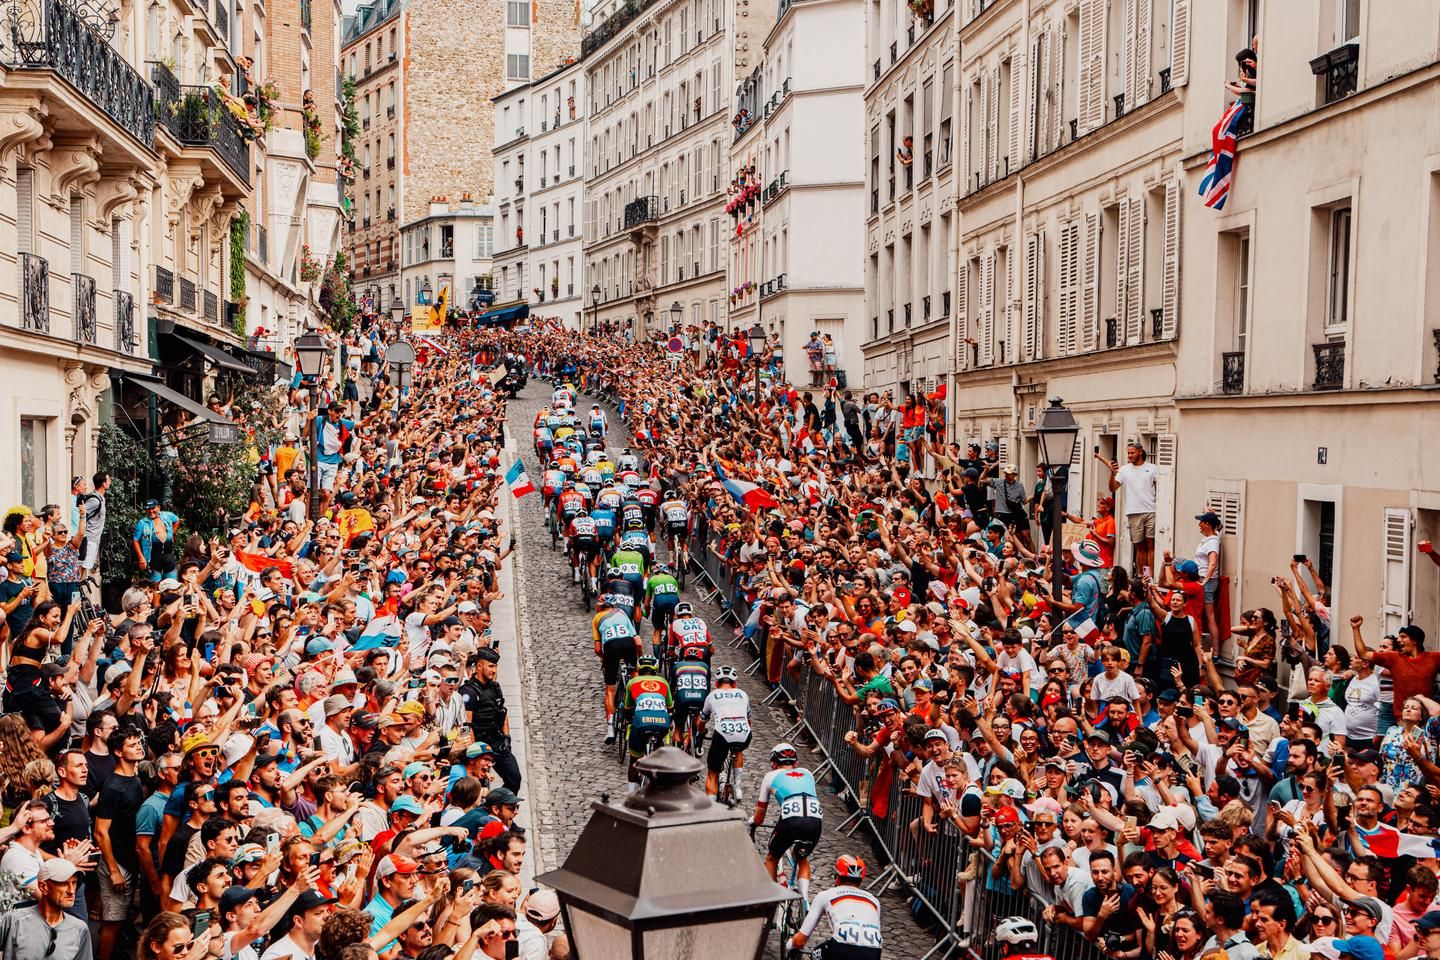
{"type": "Point", "coordinates": [662, 608]}
{"type": "Point", "coordinates": [585, 546]}
{"type": "Point", "coordinates": [680, 530]}
{"type": "Point", "coordinates": [801, 832]}
{"type": "Point", "coordinates": [835, 950]}
{"type": "Point", "coordinates": [720, 748]}
{"type": "Point", "coordinates": [614, 651]}
{"type": "Point", "coordinates": [640, 738]}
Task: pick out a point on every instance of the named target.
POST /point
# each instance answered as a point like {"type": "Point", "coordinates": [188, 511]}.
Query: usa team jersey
{"type": "Point", "coordinates": [648, 700]}
{"type": "Point", "coordinates": [729, 707]}
{"type": "Point", "coordinates": [692, 683]}
{"type": "Point", "coordinates": [794, 789]}
{"type": "Point", "coordinates": [854, 916]}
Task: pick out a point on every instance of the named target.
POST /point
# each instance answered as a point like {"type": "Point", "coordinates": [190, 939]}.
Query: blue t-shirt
{"type": "Point", "coordinates": [1086, 592]}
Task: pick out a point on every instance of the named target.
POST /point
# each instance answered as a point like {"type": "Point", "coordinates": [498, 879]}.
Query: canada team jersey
{"type": "Point", "coordinates": [794, 789]}
{"type": "Point", "coordinates": [613, 625]}
{"type": "Point", "coordinates": [648, 700]}
{"type": "Point", "coordinates": [692, 683]}
{"type": "Point", "coordinates": [729, 707]}
{"type": "Point", "coordinates": [854, 916]}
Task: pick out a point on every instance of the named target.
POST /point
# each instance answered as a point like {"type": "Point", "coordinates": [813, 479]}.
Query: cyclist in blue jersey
{"type": "Point", "coordinates": [793, 788]}
{"type": "Point", "coordinates": [620, 593]}
{"type": "Point", "coordinates": [647, 709]}
{"type": "Point", "coordinates": [615, 640]}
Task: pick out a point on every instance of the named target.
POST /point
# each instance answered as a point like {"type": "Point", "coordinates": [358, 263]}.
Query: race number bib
{"type": "Point", "coordinates": [691, 682]}
{"type": "Point", "coordinates": [676, 515]}
{"type": "Point", "coordinates": [615, 631]}
{"type": "Point", "coordinates": [857, 933]}
{"type": "Point", "coordinates": [663, 589]}
{"type": "Point", "coordinates": [733, 728]}
{"type": "Point", "coordinates": [799, 805]}
{"type": "Point", "coordinates": [650, 702]}
{"type": "Point", "coordinates": [629, 568]}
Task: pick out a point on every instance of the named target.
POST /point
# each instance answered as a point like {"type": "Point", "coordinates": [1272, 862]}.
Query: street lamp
{"type": "Point", "coordinates": [1057, 429]}
{"type": "Point", "coordinates": [426, 291]}
{"type": "Point", "coordinates": [757, 347]}
{"type": "Point", "coordinates": [310, 352]}
{"type": "Point", "coordinates": [629, 887]}
{"type": "Point", "coordinates": [397, 311]}
{"type": "Point", "coordinates": [595, 308]}
{"type": "Point", "coordinates": [676, 313]}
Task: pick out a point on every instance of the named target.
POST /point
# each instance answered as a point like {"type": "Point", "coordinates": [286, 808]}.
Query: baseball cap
{"type": "Point", "coordinates": [1164, 819]}
{"type": "Point", "coordinates": [467, 606]}
{"type": "Point", "coordinates": [501, 795]}
{"type": "Point", "coordinates": [1168, 696]}
{"type": "Point", "coordinates": [1428, 922]}
{"type": "Point", "coordinates": [169, 583]}
{"type": "Point", "coordinates": [57, 870]}
{"type": "Point", "coordinates": [1210, 517]}
{"type": "Point", "coordinates": [1360, 947]}
{"type": "Point", "coordinates": [1098, 735]}
{"type": "Point", "coordinates": [407, 804]}
{"type": "Point", "coordinates": [234, 897]}
{"type": "Point", "coordinates": [543, 906]}
{"type": "Point", "coordinates": [935, 735]}
{"type": "Point", "coordinates": [488, 655]}
{"type": "Point", "coordinates": [1365, 756]}
{"type": "Point", "coordinates": [318, 645]}
{"type": "Point", "coordinates": [309, 900]}
{"type": "Point", "coordinates": [411, 706]}
{"type": "Point", "coordinates": [1009, 787]}
{"type": "Point", "coordinates": [414, 767]}
{"type": "Point", "coordinates": [478, 749]}
{"type": "Point", "coordinates": [1006, 815]}
{"type": "Point", "coordinates": [343, 676]}
{"type": "Point", "coordinates": [1045, 805]}
{"type": "Point", "coordinates": [117, 670]}
{"type": "Point", "coordinates": [1370, 905]}
{"type": "Point", "coordinates": [247, 853]}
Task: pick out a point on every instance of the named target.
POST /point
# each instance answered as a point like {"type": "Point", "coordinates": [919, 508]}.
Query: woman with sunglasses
{"type": "Point", "coordinates": [168, 938]}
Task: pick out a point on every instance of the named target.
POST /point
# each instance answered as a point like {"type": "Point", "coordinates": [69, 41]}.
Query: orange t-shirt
{"type": "Point", "coordinates": [1105, 527]}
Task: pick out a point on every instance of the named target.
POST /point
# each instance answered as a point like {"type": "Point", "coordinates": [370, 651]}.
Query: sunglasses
{"type": "Point", "coordinates": [1321, 918]}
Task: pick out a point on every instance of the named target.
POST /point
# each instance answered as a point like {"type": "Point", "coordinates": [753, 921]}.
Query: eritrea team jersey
{"type": "Point", "coordinates": [612, 625]}
{"type": "Point", "coordinates": [692, 684]}
{"type": "Point", "coordinates": [794, 789]}
{"type": "Point", "coordinates": [662, 589]}
{"type": "Point", "coordinates": [648, 701]}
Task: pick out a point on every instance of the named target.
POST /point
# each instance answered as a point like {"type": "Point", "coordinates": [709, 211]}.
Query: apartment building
{"type": "Point", "coordinates": [1311, 303]}
{"type": "Point", "coordinates": [451, 246]}
{"type": "Point", "coordinates": [658, 77]}
{"type": "Point", "coordinates": [1070, 189]}
{"type": "Point", "coordinates": [424, 135]}
{"type": "Point", "coordinates": [910, 142]}
{"type": "Point", "coordinates": [539, 187]}
{"type": "Point", "coordinates": [798, 177]}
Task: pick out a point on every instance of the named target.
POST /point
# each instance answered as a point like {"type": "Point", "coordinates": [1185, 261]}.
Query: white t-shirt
{"type": "Point", "coordinates": [1103, 688]}
{"type": "Point", "coordinates": [21, 864]}
{"type": "Point", "coordinates": [1138, 482]}
{"type": "Point", "coordinates": [1208, 545]}
{"type": "Point", "coordinates": [1362, 707]}
{"type": "Point", "coordinates": [286, 949]}
{"type": "Point", "coordinates": [337, 746]}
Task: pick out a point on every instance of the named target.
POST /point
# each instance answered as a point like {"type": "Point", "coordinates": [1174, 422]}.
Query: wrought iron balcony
{"type": "Point", "coordinates": [83, 301]}
{"type": "Point", "coordinates": [642, 210]}
{"type": "Point", "coordinates": [164, 285]}
{"type": "Point", "coordinates": [212, 307]}
{"type": "Point", "coordinates": [945, 304]}
{"type": "Point", "coordinates": [1112, 332]}
{"type": "Point", "coordinates": [894, 51]}
{"type": "Point", "coordinates": [222, 20]}
{"type": "Point", "coordinates": [1164, 81]}
{"type": "Point", "coordinates": [925, 308]}
{"type": "Point", "coordinates": [124, 322]}
{"type": "Point", "coordinates": [1119, 105]}
{"type": "Point", "coordinates": [197, 117]}
{"type": "Point", "coordinates": [1232, 372]}
{"type": "Point", "coordinates": [34, 293]}
{"type": "Point", "coordinates": [187, 294]}
{"type": "Point", "coordinates": [1329, 365]}
{"type": "Point", "coordinates": [1341, 70]}
{"type": "Point", "coordinates": [51, 35]}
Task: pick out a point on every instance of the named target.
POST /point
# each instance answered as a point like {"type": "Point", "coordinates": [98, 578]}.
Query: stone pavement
{"type": "Point", "coordinates": [564, 706]}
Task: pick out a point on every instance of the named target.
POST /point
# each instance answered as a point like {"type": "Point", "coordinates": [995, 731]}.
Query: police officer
{"type": "Point", "coordinates": [489, 720]}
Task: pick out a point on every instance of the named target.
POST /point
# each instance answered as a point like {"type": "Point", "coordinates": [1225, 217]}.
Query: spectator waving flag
{"type": "Point", "coordinates": [1387, 843]}
{"type": "Point", "coordinates": [1215, 185]}
{"type": "Point", "coordinates": [1085, 627]}
{"type": "Point", "coordinates": [518, 480]}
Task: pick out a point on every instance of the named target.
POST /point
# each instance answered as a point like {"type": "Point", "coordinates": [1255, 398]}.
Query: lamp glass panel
{"type": "Point", "coordinates": [1057, 447]}
{"type": "Point", "coordinates": [727, 940]}
{"type": "Point", "coordinates": [596, 938]}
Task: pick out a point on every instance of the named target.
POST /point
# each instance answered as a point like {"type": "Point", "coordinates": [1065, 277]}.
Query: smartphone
{"type": "Point", "coordinates": [272, 843]}
{"type": "Point", "coordinates": [468, 885]}
{"type": "Point", "coordinates": [1204, 870]}
{"type": "Point", "coordinates": [1097, 449]}
{"type": "Point", "coordinates": [1131, 823]}
{"type": "Point", "coordinates": [200, 922]}
{"type": "Point", "coordinates": [1198, 700]}
{"type": "Point", "coordinates": [1299, 558]}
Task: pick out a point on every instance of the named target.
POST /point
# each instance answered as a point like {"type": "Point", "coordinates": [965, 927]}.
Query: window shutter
{"type": "Point", "coordinates": [1044, 101]}
{"type": "Point", "coordinates": [1180, 44]}
{"type": "Point", "coordinates": [992, 169]}
{"type": "Point", "coordinates": [1122, 274]}
{"type": "Point", "coordinates": [965, 109]}
{"type": "Point", "coordinates": [1010, 311]}
{"type": "Point", "coordinates": [1075, 491]}
{"type": "Point", "coordinates": [1165, 451]}
{"type": "Point", "coordinates": [25, 209]}
{"type": "Point", "coordinates": [1135, 274]}
{"type": "Point", "coordinates": [962, 315]}
{"type": "Point", "coordinates": [1170, 266]}
{"type": "Point", "coordinates": [1002, 444]}
{"type": "Point", "coordinates": [1090, 314]}
{"type": "Point", "coordinates": [1127, 48]}
{"type": "Point", "coordinates": [1092, 64]}
{"type": "Point", "coordinates": [1395, 571]}
{"type": "Point", "coordinates": [1140, 92]}
{"type": "Point", "coordinates": [1017, 86]}
{"type": "Point", "coordinates": [1032, 256]}
{"type": "Point", "coordinates": [1057, 105]}
{"type": "Point", "coordinates": [982, 154]}
{"type": "Point", "coordinates": [1069, 263]}
{"type": "Point", "coordinates": [987, 309]}
{"type": "Point", "coordinates": [1036, 336]}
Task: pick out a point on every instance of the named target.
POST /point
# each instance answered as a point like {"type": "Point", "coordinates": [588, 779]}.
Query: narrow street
{"type": "Point", "coordinates": [570, 765]}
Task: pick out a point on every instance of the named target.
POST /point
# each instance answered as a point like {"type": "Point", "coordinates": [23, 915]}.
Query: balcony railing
{"type": "Point", "coordinates": [34, 293]}
{"type": "Point", "coordinates": [1329, 365]}
{"type": "Point", "coordinates": [908, 314]}
{"type": "Point", "coordinates": [390, 214]}
{"type": "Point", "coordinates": [212, 307]}
{"type": "Point", "coordinates": [894, 51]}
{"type": "Point", "coordinates": [945, 304]}
{"type": "Point", "coordinates": [83, 292]}
{"type": "Point", "coordinates": [187, 294]}
{"type": "Point", "coordinates": [1164, 81]}
{"type": "Point", "coordinates": [222, 20]}
{"type": "Point", "coordinates": [50, 35]}
{"type": "Point", "coordinates": [164, 285]}
{"type": "Point", "coordinates": [124, 322]}
{"type": "Point", "coordinates": [1157, 323]}
{"type": "Point", "coordinates": [925, 308]}
{"type": "Point", "coordinates": [1232, 372]}
{"type": "Point", "coordinates": [642, 210]}
{"type": "Point", "coordinates": [305, 14]}
{"type": "Point", "coordinates": [1341, 70]}
{"type": "Point", "coordinates": [196, 117]}
{"type": "Point", "coordinates": [1112, 332]}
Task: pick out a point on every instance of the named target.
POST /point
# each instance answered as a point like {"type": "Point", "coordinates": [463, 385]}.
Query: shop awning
{"type": "Point", "coordinates": [165, 392]}
{"type": "Point", "coordinates": [217, 355]}
{"type": "Point", "coordinates": [504, 314]}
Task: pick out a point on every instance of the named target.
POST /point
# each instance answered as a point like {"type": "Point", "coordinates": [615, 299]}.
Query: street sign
{"type": "Point", "coordinates": [676, 345]}
{"type": "Point", "coordinates": [224, 433]}
{"type": "Point", "coordinates": [399, 353]}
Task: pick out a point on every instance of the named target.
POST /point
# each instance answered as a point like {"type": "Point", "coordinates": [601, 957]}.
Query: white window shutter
{"type": "Point", "coordinates": [1092, 64]}
{"type": "Point", "coordinates": [987, 310]}
{"type": "Point", "coordinates": [1069, 263]}
{"type": "Point", "coordinates": [1090, 312]}
{"type": "Point", "coordinates": [993, 168]}
{"type": "Point", "coordinates": [1135, 270]}
{"type": "Point", "coordinates": [1017, 86]}
{"type": "Point", "coordinates": [1075, 492]}
{"type": "Point", "coordinates": [1395, 571]}
{"type": "Point", "coordinates": [1044, 101]}
{"type": "Point", "coordinates": [1010, 350]}
{"type": "Point", "coordinates": [1032, 297]}
{"type": "Point", "coordinates": [1180, 43]}
{"type": "Point", "coordinates": [1170, 266]}
{"type": "Point", "coordinates": [962, 315]}
{"type": "Point", "coordinates": [966, 107]}
{"type": "Point", "coordinates": [1057, 70]}
{"type": "Point", "coordinates": [1122, 276]}
{"type": "Point", "coordinates": [1127, 47]}
{"type": "Point", "coordinates": [25, 209]}
{"type": "Point", "coordinates": [1140, 92]}
{"type": "Point", "coordinates": [1165, 469]}
{"type": "Point", "coordinates": [1003, 450]}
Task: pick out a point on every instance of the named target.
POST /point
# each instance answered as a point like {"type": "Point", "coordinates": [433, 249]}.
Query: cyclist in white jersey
{"type": "Point", "coordinates": [854, 914]}
{"type": "Point", "coordinates": [729, 707]}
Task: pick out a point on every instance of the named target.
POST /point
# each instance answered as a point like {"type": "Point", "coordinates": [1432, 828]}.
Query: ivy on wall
{"type": "Point", "coordinates": [239, 225]}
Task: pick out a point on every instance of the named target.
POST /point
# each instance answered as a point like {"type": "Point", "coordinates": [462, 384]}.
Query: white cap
{"type": "Point", "coordinates": [117, 670]}
{"type": "Point", "coordinates": [57, 870]}
{"type": "Point", "coordinates": [467, 606]}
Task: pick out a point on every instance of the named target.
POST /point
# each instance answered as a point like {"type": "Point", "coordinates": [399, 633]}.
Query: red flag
{"type": "Point", "coordinates": [258, 562]}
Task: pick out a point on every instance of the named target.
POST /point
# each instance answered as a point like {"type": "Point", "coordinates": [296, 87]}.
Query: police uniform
{"type": "Point", "coordinates": [485, 703]}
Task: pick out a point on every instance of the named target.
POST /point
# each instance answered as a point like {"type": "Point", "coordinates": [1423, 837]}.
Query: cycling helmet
{"type": "Point", "coordinates": [554, 463]}
{"type": "Point", "coordinates": [784, 754]}
{"type": "Point", "coordinates": [671, 495]}
{"type": "Point", "coordinates": [582, 512]}
{"type": "Point", "coordinates": [569, 485]}
{"type": "Point", "coordinates": [1016, 931]}
{"type": "Point", "coordinates": [684, 610]}
{"type": "Point", "coordinates": [612, 571]}
{"type": "Point", "coordinates": [849, 867]}
{"type": "Point", "coordinates": [726, 674]}
{"type": "Point", "coordinates": [664, 568]}
{"type": "Point", "coordinates": [634, 523]}
{"type": "Point", "coordinates": [647, 667]}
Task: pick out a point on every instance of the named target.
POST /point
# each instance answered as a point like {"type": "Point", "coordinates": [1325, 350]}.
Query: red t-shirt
{"type": "Point", "coordinates": [1411, 676]}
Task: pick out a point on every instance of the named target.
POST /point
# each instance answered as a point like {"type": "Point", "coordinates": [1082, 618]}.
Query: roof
{"type": "Point", "coordinates": [366, 17]}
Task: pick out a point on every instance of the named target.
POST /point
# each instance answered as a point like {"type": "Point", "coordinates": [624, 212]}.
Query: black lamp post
{"type": "Point", "coordinates": [595, 310]}
{"type": "Point", "coordinates": [310, 352]}
{"type": "Point", "coordinates": [757, 347]}
{"type": "Point", "coordinates": [397, 311]}
{"type": "Point", "coordinates": [427, 292]}
{"type": "Point", "coordinates": [677, 313]}
{"type": "Point", "coordinates": [1057, 429]}
{"type": "Point", "coordinates": [630, 888]}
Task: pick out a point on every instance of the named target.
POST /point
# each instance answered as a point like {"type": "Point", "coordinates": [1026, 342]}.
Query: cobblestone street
{"type": "Point", "coordinates": [570, 766]}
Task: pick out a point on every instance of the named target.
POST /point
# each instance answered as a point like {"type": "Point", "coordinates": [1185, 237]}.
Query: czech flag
{"type": "Point", "coordinates": [518, 480]}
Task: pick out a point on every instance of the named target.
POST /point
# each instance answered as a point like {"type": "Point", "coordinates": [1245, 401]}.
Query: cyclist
{"type": "Point", "coordinates": [632, 566]}
{"type": "Point", "coordinates": [688, 635]}
{"type": "Point", "coordinates": [633, 537]}
{"type": "Point", "coordinates": [1019, 939]}
{"type": "Point", "coordinates": [854, 916]}
{"type": "Point", "coordinates": [544, 442]}
{"type": "Point", "coordinates": [690, 681]}
{"type": "Point", "coordinates": [591, 477]}
{"type": "Point", "coordinates": [729, 707]}
{"type": "Point", "coordinates": [606, 467]}
{"type": "Point", "coordinates": [649, 500]}
{"type": "Point", "coordinates": [598, 422]}
{"type": "Point", "coordinates": [628, 460]}
{"type": "Point", "coordinates": [584, 546]}
{"type": "Point", "coordinates": [662, 596]}
{"type": "Point", "coordinates": [620, 593]}
{"type": "Point", "coordinates": [604, 517]}
{"type": "Point", "coordinates": [567, 504]}
{"type": "Point", "coordinates": [647, 709]}
{"type": "Point", "coordinates": [632, 515]}
{"type": "Point", "coordinates": [552, 482]}
{"type": "Point", "coordinates": [799, 824]}
{"type": "Point", "coordinates": [676, 513]}
{"type": "Point", "coordinates": [615, 640]}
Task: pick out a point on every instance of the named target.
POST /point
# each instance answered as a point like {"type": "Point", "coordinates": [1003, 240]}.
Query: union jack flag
{"type": "Point", "coordinates": [1215, 185]}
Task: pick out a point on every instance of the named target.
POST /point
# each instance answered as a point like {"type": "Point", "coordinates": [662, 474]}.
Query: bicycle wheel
{"type": "Point", "coordinates": [682, 561]}
{"type": "Point", "coordinates": [697, 735]}
{"type": "Point", "coordinates": [726, 794]}
{"type": "Point", "coordinates": [554, 533]}
{"type": "Point", "coordinates": [791, 918]}
{"type": "Point", "coordinates": [622, 739]}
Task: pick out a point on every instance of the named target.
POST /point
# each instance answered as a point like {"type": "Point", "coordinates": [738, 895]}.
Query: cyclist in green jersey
{"type": "Point", "coordinates": [632, 567]}
{"type": "Point", "coordinates": [662, 593]}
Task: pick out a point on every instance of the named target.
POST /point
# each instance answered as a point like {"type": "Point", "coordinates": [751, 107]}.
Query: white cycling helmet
{"type": "Point", "coordinates": [1017, 931]}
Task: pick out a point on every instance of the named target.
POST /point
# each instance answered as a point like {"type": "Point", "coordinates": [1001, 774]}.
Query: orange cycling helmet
{"type": "Point", "coordinates": [851, 868]}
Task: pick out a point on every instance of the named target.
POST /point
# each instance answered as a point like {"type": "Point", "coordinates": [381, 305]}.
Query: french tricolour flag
{"type": "Point", "coordinates": [1387, 843]}
{"type": "Point", "coordinates": [518, 480]}
{"type": "Point", "coordinates": [1085, 628]}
